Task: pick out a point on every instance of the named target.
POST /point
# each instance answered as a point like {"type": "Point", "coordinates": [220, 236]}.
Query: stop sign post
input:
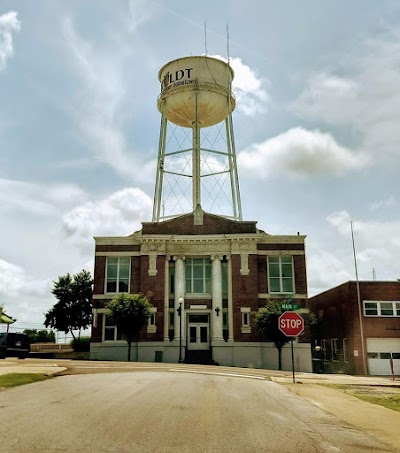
{"type": "Point", "coordinates": [291, 324]}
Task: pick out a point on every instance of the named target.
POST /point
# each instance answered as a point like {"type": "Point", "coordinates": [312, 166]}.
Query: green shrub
{"type": "Point", "coordinates": [81, 345]}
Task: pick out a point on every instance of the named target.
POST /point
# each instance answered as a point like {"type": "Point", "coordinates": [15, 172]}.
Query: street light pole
{"type": "Point", "coordinates": [180, 329]}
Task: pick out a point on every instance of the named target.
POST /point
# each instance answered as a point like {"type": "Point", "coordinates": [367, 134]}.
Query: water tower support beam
{"type": "Point", "coordinates": [234, 178]}
{"type": "Point", "coordinates": [160, 170]}
{"type": "Point", "coordinates": [196, 158]}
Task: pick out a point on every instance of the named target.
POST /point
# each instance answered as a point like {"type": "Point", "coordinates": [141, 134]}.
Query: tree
{"type": "Point", "coordinates": [40, 336]}
{"type": "Point", "coordinates": [130, 313]}
{"type": "Point", "coordinates": [73, 311]}
{"type": "Point", "coordinates": [267, 322]}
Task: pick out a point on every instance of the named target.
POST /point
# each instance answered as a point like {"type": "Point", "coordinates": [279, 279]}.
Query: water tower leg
{"type": "Point", "coordinates": [160, 170]}
{"type": "Point", "coordinates": [196, 197]}
{"type": "Point", "coordinates": [234, 178]}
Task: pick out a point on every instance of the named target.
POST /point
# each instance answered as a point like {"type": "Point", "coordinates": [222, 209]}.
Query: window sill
{"type": "Point", "coordinates": [246, 329]}
{"type": "Point", "coordinates": [151, 329]}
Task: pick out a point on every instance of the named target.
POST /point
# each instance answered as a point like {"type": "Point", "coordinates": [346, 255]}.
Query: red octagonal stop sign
{"type": "Point", "coordinates": [291, 323]}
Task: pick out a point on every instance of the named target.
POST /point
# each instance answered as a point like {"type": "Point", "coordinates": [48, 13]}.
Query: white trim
{"type": "Point", "coordinates": [379, 309]}
{"type": "Point", "coordinates": [116, 254]}
{"type": "Point", "coordinates": [244, 264]}
{"type": "Point", "coordinates": [246, 326]}
{"type": "Point", "coordinates": [281, 252]}
{"type": "Point", "coordinates": [282, 295]}
{"type": "Point", "coordinates": [245, 309]}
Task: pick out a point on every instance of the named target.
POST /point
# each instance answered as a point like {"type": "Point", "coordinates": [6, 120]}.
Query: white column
{"type": "Point", "coordinates": [216, 288]}
{"type": "Point", "coordinates": [230, 301]}
{"type": "Point", "coordinates": [166, 299]}
{"type": "Point", "coordinates": [179, 292]}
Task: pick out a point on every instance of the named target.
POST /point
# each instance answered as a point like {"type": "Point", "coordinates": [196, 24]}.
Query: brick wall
{"type": "Point", "coordinates": [211, 225]}
{"type": "Point", "coordinates": [300, 275]}
{"type": "Point", "coordinates": [338, 312]}
{"type": "Point", "coordinates": [99, 274]}
{"type": "Point", "coordinates": [118, 248]}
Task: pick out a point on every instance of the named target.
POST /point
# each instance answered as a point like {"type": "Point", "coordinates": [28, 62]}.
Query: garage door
{"type": "Point", "coordinates": [378, 351]}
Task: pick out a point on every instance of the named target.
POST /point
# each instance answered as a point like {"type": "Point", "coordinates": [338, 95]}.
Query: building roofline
{"type": "Point", "coordinates": [349, 282]}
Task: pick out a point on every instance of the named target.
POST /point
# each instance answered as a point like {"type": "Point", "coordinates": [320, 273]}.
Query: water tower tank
{"type": "Point", "coordinates": [182, 78]}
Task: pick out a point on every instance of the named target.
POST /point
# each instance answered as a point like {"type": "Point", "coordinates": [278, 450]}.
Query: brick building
{"type": "Point", "coordinates": [208, 274]}
{"type": "Point", "coordinates": [338, 332]}
{"type": "Point", "coordinates": [220, 270]}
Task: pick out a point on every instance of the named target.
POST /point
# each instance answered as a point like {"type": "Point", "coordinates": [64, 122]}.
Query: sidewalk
{"type": "Point", "coordinates": [312, 378]}
{"type": "Point", "coordinates": [14, 366]}
{"type": "Point", "coordinates": [376, 420]}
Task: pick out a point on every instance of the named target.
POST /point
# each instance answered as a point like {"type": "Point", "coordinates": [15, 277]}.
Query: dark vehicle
{"type": "Point", "coordinates": [14, 345]}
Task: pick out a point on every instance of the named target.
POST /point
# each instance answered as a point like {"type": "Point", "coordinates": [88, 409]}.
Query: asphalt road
{"type": "Point", "coordinates": [178, 411]}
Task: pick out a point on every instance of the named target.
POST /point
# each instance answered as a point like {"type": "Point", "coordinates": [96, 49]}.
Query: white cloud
{"type": "Point", "coordinates": [40, 199]}
{"type": "Point", "coordinates": [9, 24]}
{"type": "Point", "coordinates": [298, 154]}
{"type": "Point", "coordinates": [99, 110]}
{"type": "Point", "coordinates": [325, 97]}
{"type": "Point", "coordinates": [23, 296]}
{"type": "Point", "coordinates": [251, 96]}
{"type": "Point", "coordinates": [388, 202]}
{"type": "Point", "coordinates": [325, 270]}
{"type": "Point", "coordinates": [140, 11]}
{"type": "Point", "coordinates": [377, 244]}
{"type": "Point", "coordinates": [119, 214]}
{"type": "Point", "coordinates": [367, 101]}
{"type": "Point", "coordinates": [11, 279]}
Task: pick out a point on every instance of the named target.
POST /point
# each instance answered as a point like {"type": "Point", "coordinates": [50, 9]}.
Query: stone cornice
{"type": "Point", "coordinates": [115, 240]}
{"type": "Point", "coordinates": [259, 237]}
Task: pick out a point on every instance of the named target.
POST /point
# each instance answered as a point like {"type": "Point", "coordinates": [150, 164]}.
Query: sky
{"type": "Point", "coordinates": [316, 125]}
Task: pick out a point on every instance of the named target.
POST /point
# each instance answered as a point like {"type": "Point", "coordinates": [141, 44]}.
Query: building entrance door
{"type": "Point", "coordinates": [199, 333]}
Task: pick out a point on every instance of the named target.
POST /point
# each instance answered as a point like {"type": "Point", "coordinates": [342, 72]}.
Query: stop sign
{"type": "Point", "coordinates": [291, 323]}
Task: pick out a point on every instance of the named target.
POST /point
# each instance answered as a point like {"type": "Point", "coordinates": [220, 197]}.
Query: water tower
{"type": "Point", "coordinates": [196, 155]}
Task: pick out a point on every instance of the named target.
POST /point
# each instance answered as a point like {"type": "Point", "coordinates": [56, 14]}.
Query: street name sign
{"type": "Point", "coordinates": [290, 306]}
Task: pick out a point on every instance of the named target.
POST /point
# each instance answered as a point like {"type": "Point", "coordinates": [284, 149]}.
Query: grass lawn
{"type": "Point", "coordinates": [14, 379]}
{"type": "Point", "coordinates": [388, 397]}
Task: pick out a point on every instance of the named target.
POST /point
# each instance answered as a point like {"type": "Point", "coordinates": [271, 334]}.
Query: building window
{"type": "Point", "coordinates": [117, 274]}
{"type": "Point", "coordinates": [171, 319]}
{"type": "Point", "coordinates": [334, 349]}
{"type": "Point", "coordinates": [345, 356]}
{"type": "Point", "coordinates": [224, 271]}
{"type": "Point", "coordinates": [198, 275]}
{"type": "Point", "coordinates": [172, 278]}
{"type": "Point", "coordinates": [246, 328]}
{"type": "Point", "coordinates": [386, 308]}
{"type": "Point", "coordinates": [325, 349]}
{"type": "Point", "coordinates": [280, 274]}
{"type": "Point", "coordinates": [110, 331]}
{"type": "Point", "coordinates": [225, 319]}
{"type": "Point", "coordinates": [151, 321]}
